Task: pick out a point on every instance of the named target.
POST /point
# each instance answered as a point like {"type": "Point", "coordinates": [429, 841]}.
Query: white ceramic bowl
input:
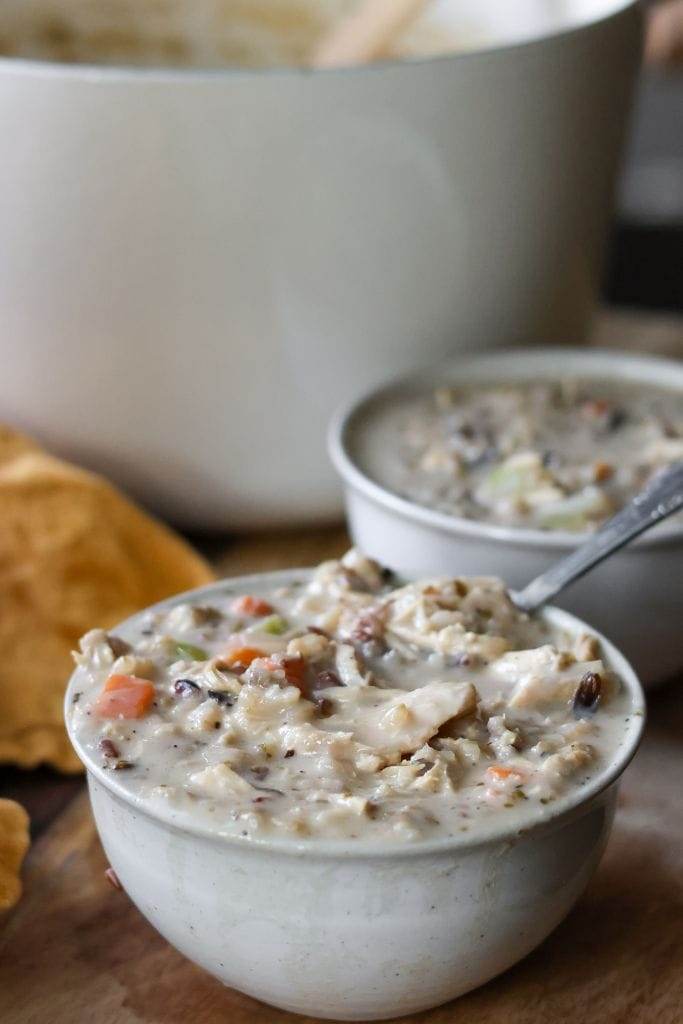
{"type": "Point", "coordinates": [353, 930]}
{"type": "Point", "coordinates": [635, 597]}
{"type": "Point", "coordinates": [198, 265]}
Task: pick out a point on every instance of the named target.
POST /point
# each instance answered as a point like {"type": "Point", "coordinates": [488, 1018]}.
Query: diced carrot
{"type": "Point", "coordinates": [249, 605]}
{"type": "Point", "coordinates": [124, 697]}
{"type": "Point", "coordinates": [602, 471]}
{"type": "Point", "coordinates": [122, 682]}
{"type": "Point", "coordinates": [595, 407]}
{"type": "Point", "coordinates": [294, 669]}
{"type": "Point", "coordinates": [242, 656]}
{"type": "Point", "coordinates": [499, 771]}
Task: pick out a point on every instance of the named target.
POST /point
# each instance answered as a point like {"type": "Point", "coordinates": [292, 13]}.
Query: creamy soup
{"type": "Point", "coordinates": [257, 33]}
{"type": "Point", "coordinates": [563, 455]}
{"type": "Point", "coordinates": [344, 705]}
{"type": "Point", "coordinates": [194, 33]}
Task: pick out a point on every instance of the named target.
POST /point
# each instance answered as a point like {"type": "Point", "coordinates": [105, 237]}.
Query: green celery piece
{"type": "Point", "coordinates": [274, 624]}
{"type": "Point", "coordinates": [572, 513]}
{"type": "Point", "coordinates": [185, 650]}
{"type": "Point", "coordinates": [507, 480]}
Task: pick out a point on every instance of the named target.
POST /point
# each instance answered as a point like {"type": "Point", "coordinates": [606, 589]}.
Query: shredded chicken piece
{"type": "Point", "coordinates": [540, 677]}
{"type": "Point", "coordinates": [348, 668]}
{"type": "Point", "coordinates": [221, 781]}
{"type": "Point", "coordinates": [396, 722]}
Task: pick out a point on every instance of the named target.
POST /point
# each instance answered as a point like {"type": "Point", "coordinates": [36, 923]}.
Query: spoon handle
{"type": "Point", "coordinates": [661, 498]}
{"type": "Point", "coordinates": [364, 34]}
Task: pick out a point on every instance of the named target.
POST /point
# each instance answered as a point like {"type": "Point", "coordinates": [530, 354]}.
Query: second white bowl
{"type": "Point", "coordinates": [635, 597]}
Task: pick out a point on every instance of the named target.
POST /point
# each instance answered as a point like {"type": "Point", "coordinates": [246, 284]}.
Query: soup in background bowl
{"type": "Point", "coordinates": [564, 454]}
{"type": "Point", "coordinates": [252, 33]}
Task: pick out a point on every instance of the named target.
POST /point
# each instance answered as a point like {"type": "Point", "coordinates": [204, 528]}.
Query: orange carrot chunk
{"type": "Point", "coordinates": [249, 605]}
{"type": "Point", "coordinates": [242, 656]}
{"type": "Point", "coordinates": [124, 697]}
{"type": "Point", "coordinates": [499, 771]}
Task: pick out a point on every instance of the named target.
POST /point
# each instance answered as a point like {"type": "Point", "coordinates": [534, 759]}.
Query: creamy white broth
{"type": "Point", "coordinates": [200, 33]}
{"type": "Point", "coordinates": [369, 711]}
{"type": "Point", "coordinates": [258, 33]}
{"type": "Point", "coordinates": [548, 455]}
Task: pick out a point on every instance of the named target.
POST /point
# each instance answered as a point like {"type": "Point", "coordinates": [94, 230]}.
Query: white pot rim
{"type": "Point", "coordinates": [532, 364]}
{"type": "Point", "coordinates": [142, 75]}
{"type": "Point", "coordinates": [553, 815]}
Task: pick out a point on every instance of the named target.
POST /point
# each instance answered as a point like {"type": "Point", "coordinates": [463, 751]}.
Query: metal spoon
{"type": "Point", "coordinates": [661, 498]}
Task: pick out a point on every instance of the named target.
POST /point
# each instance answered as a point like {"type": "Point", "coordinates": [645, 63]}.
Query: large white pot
{"type": "Point", "coordinates": [196, 265]}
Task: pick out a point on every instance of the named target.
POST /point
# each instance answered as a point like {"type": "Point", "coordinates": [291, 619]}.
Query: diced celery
{"type": "Point", "coordinates": [575, 512]}
{"type": "Point", "coordinates": [274, 624]}
{"type": "Point", "coordinates": [185, 650]}
{"type": "Point", "coordinates": [510, 480]}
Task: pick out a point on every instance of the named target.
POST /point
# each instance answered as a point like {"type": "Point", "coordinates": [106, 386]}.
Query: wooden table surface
{"type": "Point", "coordinates": [76, 951]}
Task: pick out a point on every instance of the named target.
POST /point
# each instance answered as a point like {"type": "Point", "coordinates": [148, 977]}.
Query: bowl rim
{"type": "Point", "coordinates": [136, 73]}
{"type": "Point", "coordinates": [622, 366]}
{"type": "Point", "coordinates": [552, 815]}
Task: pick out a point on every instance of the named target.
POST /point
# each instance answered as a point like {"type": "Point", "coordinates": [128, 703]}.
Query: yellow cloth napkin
{"type": "Point", "coordinates": [14, 843]}
{"type": "Point", "coordinates": [74, 554]}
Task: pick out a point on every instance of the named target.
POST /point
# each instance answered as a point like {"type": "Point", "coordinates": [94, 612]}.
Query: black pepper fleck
{"type": "Point", "coordinates": [226, 699]}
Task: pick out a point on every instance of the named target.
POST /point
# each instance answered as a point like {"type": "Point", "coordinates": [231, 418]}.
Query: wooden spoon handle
{"type": "Point", "coordinates": [366, 33]}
